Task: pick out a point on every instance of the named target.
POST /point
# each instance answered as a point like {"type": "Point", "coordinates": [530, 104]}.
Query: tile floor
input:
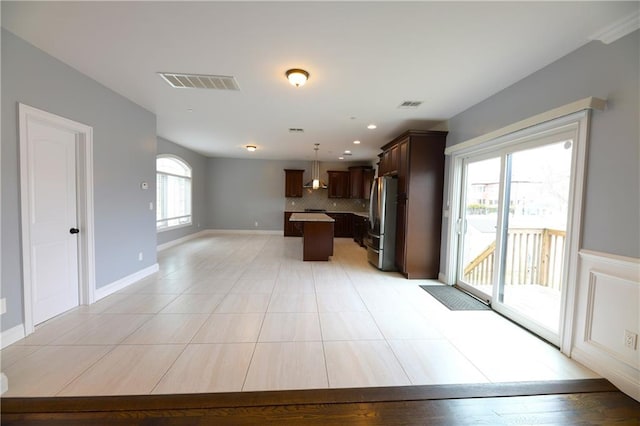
{"type": "Point", "coordinates": [243, 313]}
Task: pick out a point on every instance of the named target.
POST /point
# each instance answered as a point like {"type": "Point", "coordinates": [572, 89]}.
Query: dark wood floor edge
{"type": "Point", "coordinates": [299, 397]}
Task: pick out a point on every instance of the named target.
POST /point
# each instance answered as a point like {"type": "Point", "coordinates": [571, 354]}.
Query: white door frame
{"type": "Point", "coordinates": [580, 121]}
{"type": "Point", "coordinates": [84, 182]}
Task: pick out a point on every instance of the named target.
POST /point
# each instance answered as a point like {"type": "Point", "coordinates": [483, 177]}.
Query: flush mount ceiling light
{"type": "Point", "coordinates": [251, 148]}
{"type": "Point", "coordinates": [372, 126]}
{"type": "Point", "coordinates": [297, 77]}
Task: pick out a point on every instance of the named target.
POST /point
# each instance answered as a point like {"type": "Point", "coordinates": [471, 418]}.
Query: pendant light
{"type": "Point", "coordinates": [315, 171]}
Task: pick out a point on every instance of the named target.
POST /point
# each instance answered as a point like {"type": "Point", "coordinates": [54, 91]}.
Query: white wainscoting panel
{"type": "Point", "coordinates": [608, 303]}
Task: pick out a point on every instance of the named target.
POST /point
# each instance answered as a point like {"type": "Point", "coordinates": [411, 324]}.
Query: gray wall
{"type": "Point", "coordinates": [612, 205]}
{"type": "Point", "coordinates": [199, 165]}
{"type": "Point", "coordinates": [241, 192]}
{"type": "Point", "coordinates": [124, 156]}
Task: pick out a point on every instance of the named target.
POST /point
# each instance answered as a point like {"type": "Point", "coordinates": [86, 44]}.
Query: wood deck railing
{"type": "Point", "coordinates": [533, 256]}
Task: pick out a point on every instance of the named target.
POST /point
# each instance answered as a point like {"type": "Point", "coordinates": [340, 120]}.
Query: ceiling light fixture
{"type": "Point", "coordinates": [372, 126]}
{"type": "Point", "coordinates": [340, 158]}
{"type": "Point", "coordinates": [316, 169]}
{"type": "Point", "coordinates": [251, 148]}
{"type": "Point", "coordinates": [356, 142]}
{"type": "Point", "coordinates": [297, 77]}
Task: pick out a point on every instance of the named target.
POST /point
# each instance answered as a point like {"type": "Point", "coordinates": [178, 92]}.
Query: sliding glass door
{"type": "Point", "coordinates": [513, 222]}
{"type": "Point", "coordinates": [537, 195]}
{"type": "Point", "coordinates": [478, 225]}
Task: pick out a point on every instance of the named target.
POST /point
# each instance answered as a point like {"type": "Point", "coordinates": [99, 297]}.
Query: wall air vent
{"type": "Point", "coordinates": [410, 104]}
{"type": "Point", "coordinates": [199, 81]}
{"type": "Point", "coordinates": [295, 130]}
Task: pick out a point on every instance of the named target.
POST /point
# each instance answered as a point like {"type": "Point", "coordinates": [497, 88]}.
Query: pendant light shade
{"type": "Point", "coordinates": [315, 172]}
{"type": "Point", "coordinates": [297, 77]}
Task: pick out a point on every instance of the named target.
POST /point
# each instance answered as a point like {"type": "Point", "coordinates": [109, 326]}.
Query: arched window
{"type": "Point", "coordinates": [173, 199]}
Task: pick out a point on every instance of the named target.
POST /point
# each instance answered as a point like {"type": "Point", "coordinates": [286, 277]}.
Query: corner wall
{"type": "Point", "coordinates": [124, 137]}
{"type": "Point", "coordinates": [608, 282]}
{"type": "Point", "coordinates": [199, 183]}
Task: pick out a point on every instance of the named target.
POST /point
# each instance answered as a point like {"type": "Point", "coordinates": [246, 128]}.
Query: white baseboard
{"type": "Point", "coordinates": [125, 282]}
{"type": "Point", "coordinates": [11, 335]}
{"type": "Point", "coordinates": [442, 278]}
{"type": "Point", "coordinates": [244, 231]}
{"type": "Point", "coordinates": [181, 240]}
{"type": "Point", "coordinates": [602, 366]}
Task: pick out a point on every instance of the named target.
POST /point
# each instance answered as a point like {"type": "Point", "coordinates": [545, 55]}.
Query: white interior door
{"type": "Point", "coordinates": [51, 156]}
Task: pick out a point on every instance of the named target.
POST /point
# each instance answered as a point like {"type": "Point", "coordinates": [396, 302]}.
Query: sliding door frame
{"type": "Point", "coordinates": [579, 121]}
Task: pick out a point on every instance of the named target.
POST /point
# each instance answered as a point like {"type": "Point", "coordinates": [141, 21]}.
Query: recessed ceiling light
{"type": "Point", "coordinates": [372, 126]}
{"type": "Point", "coordinates": [251, 148]}
{"type": "Point", "coordinates": [189, 109]}
{"type": "Point", "coordinates": [356, 142]}
{"type": "Point", "coordinates": [340, 158]}
{"type": "Point", "coordinates": [347, 152]}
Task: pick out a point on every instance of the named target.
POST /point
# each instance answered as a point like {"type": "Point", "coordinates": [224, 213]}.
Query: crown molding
{"type": "Point", "coordinates": [618, 29]}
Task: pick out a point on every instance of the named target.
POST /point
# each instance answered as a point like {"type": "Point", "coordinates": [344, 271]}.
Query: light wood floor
{"type": "Point", "coordinates": [231, 313]}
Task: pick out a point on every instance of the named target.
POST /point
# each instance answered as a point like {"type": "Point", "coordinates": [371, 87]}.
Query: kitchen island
{"type": "Point", "coordinates": [317, 235]}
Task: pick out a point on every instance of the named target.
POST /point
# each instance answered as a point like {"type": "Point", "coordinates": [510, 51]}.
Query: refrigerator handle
{"type": "Point", "coordinates": [371, 202]}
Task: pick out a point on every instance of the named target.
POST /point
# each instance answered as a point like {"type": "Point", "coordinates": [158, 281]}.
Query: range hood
{"type": "Point", "coordinates": [309, 184]}
{"type": "Point", "coordinates": [315, 173]}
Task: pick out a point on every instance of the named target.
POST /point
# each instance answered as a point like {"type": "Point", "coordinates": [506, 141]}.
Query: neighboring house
{"type": "Point", "coordinates": [126, 145]}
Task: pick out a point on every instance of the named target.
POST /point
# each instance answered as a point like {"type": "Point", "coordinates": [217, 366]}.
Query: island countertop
{"type": "Point", "coordinates": [310, 217]}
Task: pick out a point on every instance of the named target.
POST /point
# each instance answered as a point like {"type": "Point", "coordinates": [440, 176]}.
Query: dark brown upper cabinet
{"type": "Point", "coordinates": [293, 183]}
{"type": "Point", "coordinates": [338, 184]}
{"type": "Point", "coordinates": [360, 178]}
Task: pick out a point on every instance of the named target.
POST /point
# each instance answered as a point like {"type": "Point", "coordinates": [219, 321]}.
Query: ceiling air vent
{"type": "Point", "coordinates": [295, 130]}
{"type": "Point", "coordinates": [410, 104]}
{"type": "Point", "coordinates": [199, 81]}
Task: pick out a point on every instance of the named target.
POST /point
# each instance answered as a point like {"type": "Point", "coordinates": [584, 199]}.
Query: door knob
{"type": "Point", "coordinates": [74, 230]}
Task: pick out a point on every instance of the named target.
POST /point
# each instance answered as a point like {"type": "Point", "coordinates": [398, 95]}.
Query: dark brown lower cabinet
{"type": "Point", "coordinates": [342, 225]}
{"type": "Point", "coordinates": [291, 229]}
{"type": "Point", "coordinates": [360, 227]}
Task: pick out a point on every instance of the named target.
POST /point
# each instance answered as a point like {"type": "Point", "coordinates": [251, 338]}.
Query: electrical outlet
{"type": "Point", "coordinates": [140, 256]}
{"type": "Point", "coordinates": [293, 203]}
{"type": "Point", "coordinates": [630, 339]}
{"type": "Point", "coordinates": [151, 205]}
{"type": "Point", "coordinates": [255, 224]}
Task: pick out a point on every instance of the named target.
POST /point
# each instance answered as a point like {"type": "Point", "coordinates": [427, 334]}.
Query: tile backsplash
{"type": "Point", "coordinates": [318, 199]}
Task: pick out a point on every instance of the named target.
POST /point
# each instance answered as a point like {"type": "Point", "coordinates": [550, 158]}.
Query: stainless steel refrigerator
{"type": "Point", "coordinates": [381, 238]}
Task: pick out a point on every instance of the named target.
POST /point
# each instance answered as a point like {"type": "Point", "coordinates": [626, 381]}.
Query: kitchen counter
{"type": "Point", "coordinates": [359, 213]}
{"type": "Point", "coordinates": [310, 217]}
{"type": "Point", "coordinates": [317, 235]}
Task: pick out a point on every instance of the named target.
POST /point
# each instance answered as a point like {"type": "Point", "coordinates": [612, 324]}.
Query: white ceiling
{"type": "Point", "coordinates": [365, 58]}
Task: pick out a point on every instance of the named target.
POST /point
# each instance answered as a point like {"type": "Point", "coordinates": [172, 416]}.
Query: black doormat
{"type": "Point", "coordinates": [454, 299]}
